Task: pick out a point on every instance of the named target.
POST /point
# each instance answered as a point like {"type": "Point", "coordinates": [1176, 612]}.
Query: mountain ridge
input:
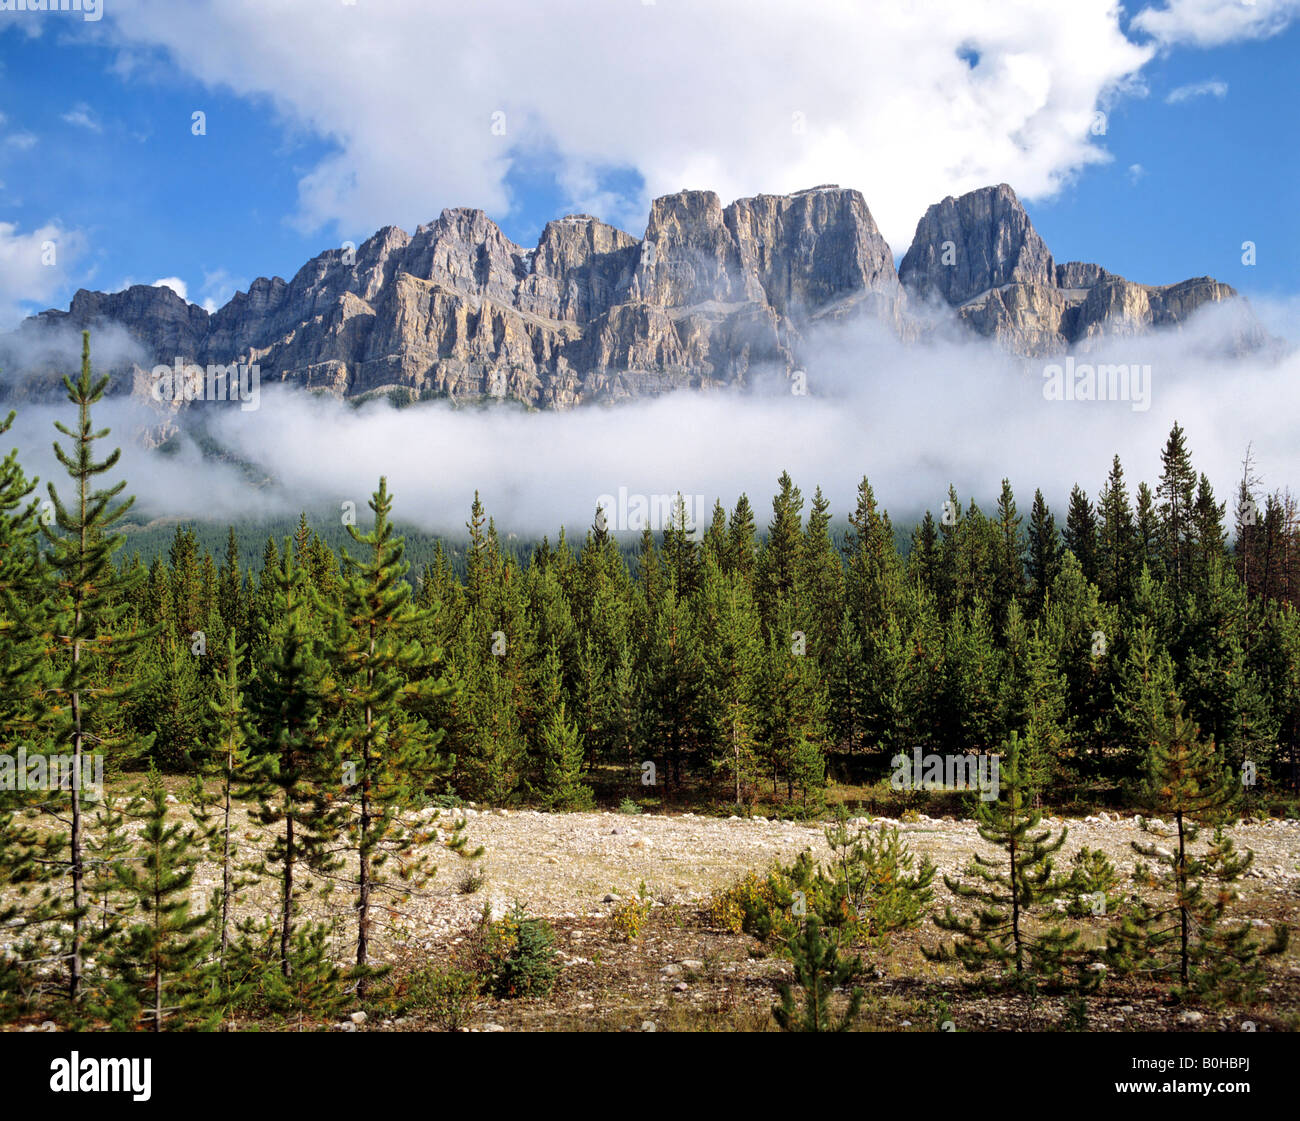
{"type": "Point", "coordinates": [710, 295]}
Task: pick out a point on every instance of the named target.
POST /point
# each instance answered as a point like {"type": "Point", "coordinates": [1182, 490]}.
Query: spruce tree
{"type": "Point", "coordinates": [1115, 537]}
{"type": "Point", "coordinates": [740, 541]}
{"type": "Point", "coordinates": [822, 577]}
{"type": "Point", "coordinates": [778, 571]}
{"type": "Point", "coordinates": [873, 575]}
{"type": "Point", "coordinates": [1081, 533]}
{"type": "Point", "coordinates": [1177, 499]}
{"type": "Point", "coordinates": [1043, 560]}
{"type": "Point", "coordinates": [1009, 577]}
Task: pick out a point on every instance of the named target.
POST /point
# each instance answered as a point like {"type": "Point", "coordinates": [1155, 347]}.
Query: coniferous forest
{"type": "Point", "coordinates": [317, 723]}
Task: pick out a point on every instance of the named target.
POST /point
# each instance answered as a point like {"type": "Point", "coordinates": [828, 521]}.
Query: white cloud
{"type": "Point", "coordinates": [83, 116]}
{"type": "Point", "coordinates": [34, 267]}
{"type": "Point", "coordinates": [703, 94]}
{"type": "Point", "coordinates": [218, 287]}
{"type": "Point", "coordinates": [913, 418]}
{"type": "Point", "coordinates": [1136, 172]}
{"type": "Point", "coordinates": [175, 283]}
{"type": "Point", "coordinates": [1214, 87]}
{"type": "Point", "coordinates": [1211, 23]}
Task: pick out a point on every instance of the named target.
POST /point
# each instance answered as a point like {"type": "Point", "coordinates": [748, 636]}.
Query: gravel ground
{"type": "Point", "coordinates": [569, 866]}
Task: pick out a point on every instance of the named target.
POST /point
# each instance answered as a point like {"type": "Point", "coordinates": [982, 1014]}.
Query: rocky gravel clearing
{"type": "Point", "coordinates": [579, 865]}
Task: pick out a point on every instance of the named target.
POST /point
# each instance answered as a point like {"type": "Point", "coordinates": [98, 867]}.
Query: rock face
{"type": "Point", "coordinates": [980, 256]}
{"type": "Point", "coordinates": [711, 295]}
{"type": "Point", "coordinates": [963, 247]}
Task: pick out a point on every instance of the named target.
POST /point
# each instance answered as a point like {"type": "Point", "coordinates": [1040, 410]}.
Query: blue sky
{"type": "Point", "coordinates": [311, 140]}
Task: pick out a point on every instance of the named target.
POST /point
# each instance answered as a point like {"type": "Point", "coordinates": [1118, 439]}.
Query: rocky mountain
{"type": "Point", "coordinates": [981, 256]}
{"type": "Point", "coordinates": [710, 295]}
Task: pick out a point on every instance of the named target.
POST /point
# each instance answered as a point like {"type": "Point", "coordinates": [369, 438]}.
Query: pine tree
{"type": "Point", "coordinates": [1043, 716]}
{"type": "Point", "coordinates": [28, 896]}
{"type": "Point", "coordinates": [680, 552]}
{"type": "Point", "coordinates": [1186, 936]}
{"type": "Point", "coordinates": [228, 761]}
{"type": "Point", "coordinates": [1210, 536]}
{"type": "Point", "coordinates": [791, 715]}
{"type": "Point", "coordinates": [819, 969]}
{"type": "Point", "coordinates": [673, 687]}
{"type": "Point", "coordinates": [294, 767]}
{"type": "Point", "coordinates": [560, 783]}
{"type": "Point", "coordinates": [160, 966]}
{"type": "Point", "coordinates": [733, 676]}
{"type": "Point", "coordinates": [230, 590]}
{"type": "Point", "coordinates": [1146, 532]}
{"type": "Point", "coordinates": [378, 688]}
{"type": "Point", "coordinates": [874, 570]}
{"type": "Point", "coordinates": [1009, 889]}
{"type": "Point", "coordinates": [85, 626]}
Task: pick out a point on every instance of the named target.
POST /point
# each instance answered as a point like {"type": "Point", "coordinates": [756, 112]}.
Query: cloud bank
{"type": "Point", "coordinates": [912, 418]}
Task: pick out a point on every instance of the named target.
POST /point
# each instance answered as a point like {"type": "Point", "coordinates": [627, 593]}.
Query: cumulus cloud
{"type": "Point", "coordinates": [1213, 87]}
{"type": "Point", "coordinates": [175, 283]}
{"type": "Point", "coordinates": [1211, 23]}
{"type": "Point", "coordinates": [741, 97]}
{"type": "Point", "coordinates": [34, 266]}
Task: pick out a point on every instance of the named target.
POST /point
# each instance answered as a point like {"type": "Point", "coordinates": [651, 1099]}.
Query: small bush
{"type": "Point", "coordinates": [752, 905]}
{"type": "Point", "coordinates": [628, 806]}
{"type": "Point", "coordinates": [517, 955]}
{"type": "Point", "coordinates": [446, 994]}
{"type": "Point", "coordinates": [870, 888]}
{"type": "Point", "coordinates": [472, 881]}
{"type": "Point", "coordinates": [629, 917]}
